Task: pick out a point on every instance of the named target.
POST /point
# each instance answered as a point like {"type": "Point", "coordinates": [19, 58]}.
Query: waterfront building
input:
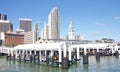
{"type": "Point", "coordinates": [71, 35]}
{"type": "Point", "coordinates": [11, 39]}
{"type": "Point", "coordinates": [79, 37]}
{"type": "Point", "coordinates": [3, 17]}
{"type": "Point", "coordinates": [25, 24]}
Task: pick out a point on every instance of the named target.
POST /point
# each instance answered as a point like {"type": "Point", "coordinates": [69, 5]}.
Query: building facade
{"type": "Point", "coordinates": [3, 17]}
{"type": "Point", "coordinates": [28, 37]}
{"type": "Point", "coordinates": [10, 39]}
{"type": "Point", "coordinates": [31, 37]}
{"type": "Point", "coordinates": [25, 24]}
{"type": "Point", "coordinates": [5, 25]}
{"type": "Point", "coordinates": [44, 31]}
{"type": "Point", "coordinates": [51, 30]}
{"type": "Point", "coordinates": [71, 35]}
{"type": "Point", "coordinates": [53, 23]}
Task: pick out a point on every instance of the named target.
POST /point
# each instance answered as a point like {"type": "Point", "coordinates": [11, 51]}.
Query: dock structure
{"type": "Point", "coordinates": [100, 49]}
{"type": "Point", "coordinates": [58, 54]}
{"type": "Point", "coordinates": [54, 54]}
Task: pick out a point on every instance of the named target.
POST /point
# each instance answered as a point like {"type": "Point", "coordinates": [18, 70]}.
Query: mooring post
{"type": "Point", "coordinates": [85, 57]}
{"type": "Point", "coordinates": [65, 61]}
{"type": "Point", "coordinates": [97, 53]}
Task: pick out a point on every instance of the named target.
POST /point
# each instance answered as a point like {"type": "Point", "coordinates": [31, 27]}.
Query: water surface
{"type": "Point", "coordinates": [104, 64]}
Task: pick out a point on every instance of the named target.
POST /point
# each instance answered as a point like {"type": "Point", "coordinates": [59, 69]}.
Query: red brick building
{"type": "Point", "coordinates": [10, 39]}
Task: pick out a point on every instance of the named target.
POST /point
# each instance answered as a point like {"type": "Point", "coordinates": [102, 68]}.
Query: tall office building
{"type": "Point", "coordinates": [35, 33]}
{"type": "Point", "coordinates": [51, 30]}
{"type": "Point", "coordinates": [3, 17]}
{"type": "Point", "coordinates": [5, 25]}
{"type": "Point", "coordinates": [31, 36]}
{"type": "Point", "coordinates": [25, 24]}
{"type": "Point", "coordinates": [44, 32]}
{"type": "Point", "coordinates": [53, 24]}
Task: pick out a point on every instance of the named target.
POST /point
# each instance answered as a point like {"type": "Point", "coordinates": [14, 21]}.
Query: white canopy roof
{"type": "Point", "coordinates": [42, 46]}
{"type": "Point", "coordinates": [95, 46]}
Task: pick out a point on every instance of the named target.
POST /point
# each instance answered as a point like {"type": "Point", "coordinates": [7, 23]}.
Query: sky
{"type": "Point", "coordinates": [95, 19]}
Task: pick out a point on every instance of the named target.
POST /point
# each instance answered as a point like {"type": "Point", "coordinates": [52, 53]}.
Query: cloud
{"type": "Point", "coordinates": [117, 18]}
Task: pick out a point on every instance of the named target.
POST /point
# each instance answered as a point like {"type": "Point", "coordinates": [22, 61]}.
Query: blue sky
{"type": "Point", "coordinates": [94, 19]}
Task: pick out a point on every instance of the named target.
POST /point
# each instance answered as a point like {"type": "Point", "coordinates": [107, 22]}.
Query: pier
{"type": "Point", "coordinates": [58, 54]}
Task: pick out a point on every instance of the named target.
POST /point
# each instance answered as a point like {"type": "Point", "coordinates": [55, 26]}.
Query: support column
{"type": "Point", "coordinates": [24, 54]}
{"type": "Point", "coordinates": [51, 58]}
{"type": "Point", "coordinates": [40, 55]}
{"type": "Point", "coordinates": [70, 59]}
{"type": "Point", "coordinates": [116, 53]}
{"type": "Point", "coordinates": [20, 55]}
{"type": "Point", "coordinates": [85, 57]}
{"type": "Point", "coordinates": [8, 56]}
{"type": "Point", "coordinates": [45, 53]}
{"type": "Point", "coordinates": [16, 54]}
{"type": "Point", "coordinates": [34, 52]}
{"type": "Point", "coordinates": [60, 57]}
{"type": "Point", "coordinates": [30, 52]}
{"type": "Point", "coordinates": [78, 54]}
{"type": "Point", "coordinates": [65, 50]}
{"type": "Point", "coordinates": [34, 56]}
{"type": "Point", "coordinates": [113, 48]}
{"type": "Point", "coordinates": [11, 52]}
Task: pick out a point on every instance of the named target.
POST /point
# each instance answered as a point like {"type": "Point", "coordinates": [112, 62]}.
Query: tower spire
{"type": "Point", "coordinates": [71, 31]}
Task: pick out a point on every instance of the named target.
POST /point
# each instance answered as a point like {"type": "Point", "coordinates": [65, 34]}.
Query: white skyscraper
{"type": "Point", "coordinates": [53, 24]}
{"type": "Point", "coordinates": [71, 35]}
{"type": "Point", "coordinates": [44, 32]}
{"type": "Point", "coordinates": [35, 33]}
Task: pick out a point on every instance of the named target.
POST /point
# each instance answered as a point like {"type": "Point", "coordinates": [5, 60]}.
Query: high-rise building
{"type": "Point", "coordinates": [5, 25]}
{"type": "Point", "coordinates": [25, 24]}
{"type": "Point", "coordinates": [44, 32]}
{"type": "Point", "coordinates": [31, 36]}
{"type": "Point", "coordinates": [3, 17]}
{"type": "Point", "coordinates": [35, 33]}
{"type": "Point", "coordinates": [53, 24]}
{"type": "Point", "coordinates": [51, 30]}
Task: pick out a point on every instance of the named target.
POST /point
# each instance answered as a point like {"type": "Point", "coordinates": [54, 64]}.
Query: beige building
{"type": "Point", "coordinates": [52, 30]}
{"type": "Point", "coordinates": [31, 37]}
{"type": "Point", "coordinates": [54, 22]}
{"type": "Point", "coordinates": [44, 32]}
